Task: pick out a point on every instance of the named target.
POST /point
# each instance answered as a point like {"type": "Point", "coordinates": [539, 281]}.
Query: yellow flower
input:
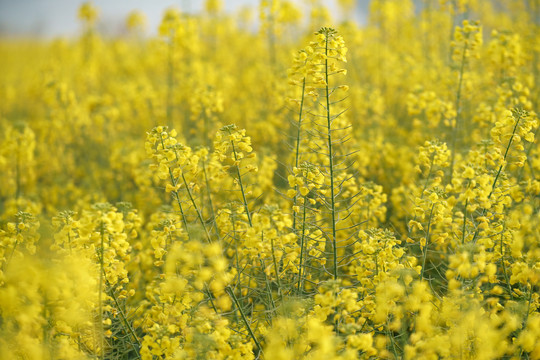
{"type": "Point", "coordinates": [88, 13]}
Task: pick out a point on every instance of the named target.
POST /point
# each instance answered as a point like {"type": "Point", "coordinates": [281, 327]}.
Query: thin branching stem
{"type": "Point", "coordinates": [175, 193]}
{"type": "Point", "coordinates": [276, 269]}
{"type": "Point", "coordinates": [127, 325]}
{"type": "Point", "coordinates": [297, 153]}
{"type": "Point", "coordinates": [331, 160]}
{"type": "Point", "coordinates": [199, 215]}
{"type": "Point", "coordinates": [244, 319]}
{"type": "Point", "coordinates": [210, 202]}
{"type": "Point", "coordinates": [302, 246]}
{"type": "Point", "coordinates": [100, 293]}
{"type": "Point", "coordinates": [427, 243]}
{"type": "Point", "coordinates": [241, 185]}
{"type": "Point", "coordinates": [518, 115]}
{"type": "Point", "coordinates": [455, 131]}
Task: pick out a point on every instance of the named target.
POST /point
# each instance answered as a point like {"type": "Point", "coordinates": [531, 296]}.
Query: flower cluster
{"type": "Point", "coordinates": [467, 41]}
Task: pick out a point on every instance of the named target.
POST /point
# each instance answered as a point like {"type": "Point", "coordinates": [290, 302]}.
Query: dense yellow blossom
{"type": "Point", "coordinates": [275, 189]}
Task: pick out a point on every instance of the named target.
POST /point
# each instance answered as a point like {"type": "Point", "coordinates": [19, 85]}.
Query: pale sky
{"type": "Point", "coordinates": [52, 18]}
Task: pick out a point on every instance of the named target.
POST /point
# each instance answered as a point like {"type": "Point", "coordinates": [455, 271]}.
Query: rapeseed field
{"type": "Point", "coordinates": [280, 184]}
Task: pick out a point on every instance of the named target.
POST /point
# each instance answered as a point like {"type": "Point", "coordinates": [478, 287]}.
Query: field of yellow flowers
{"type": "Point", "coordinates": [286, 188]}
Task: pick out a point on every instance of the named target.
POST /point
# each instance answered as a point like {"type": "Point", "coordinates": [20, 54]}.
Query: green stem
{"type": "Point", "coordinates": [175, 193]}
{"type": "Point", "coordinates": [241, 185]}
{"type": "Point", "coordinates": [297, 155]}
{"type": "Point", "coordinates": [244, 319]}
{"type": "Point", "coordinates": [126, 324]}
{"type": "Point", "coordinates": [209, 191]}
{"type": "Point", "coordinates": [199, 215]}
{"type": "Point", "coordinates": [18, 173]}
{"type": "Point", "coordinates": [505, 155]}
{"type": "Point", "coordinates": [526, 318]}
{"type": "Point", "coordinates": [209, 293]}
{"type": "Point", "coordinates": [276, 269]}
{"type": "Point", "coordinates": [100, 294]}
{"type": "Point", "coordinates": [177, 197]}
{"type": "Point", "coordinates": [464, 222]}
{"type": "Point", "coordinates": [302, 245]}
{"type": "Point", "coordinates": [331, 159]}
{"type": "Point", "coordinates": [393, 342]}
{"type": "Point", "coordinates": [427, 243]}
{"type": "Point", "coordinates": [505, 272]}
{"type": "Point", "coordinates": [238, 273]}
{"type": "Point", "coordinates": [476, 233]}
{"type": "Point", "coordinates": [268, 288]}
{"type": "Point", "coordinates": [458, 112]}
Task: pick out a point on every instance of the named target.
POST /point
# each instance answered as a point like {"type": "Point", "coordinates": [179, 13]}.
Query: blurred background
{"type": "Point", "coordinates": [54, 18]}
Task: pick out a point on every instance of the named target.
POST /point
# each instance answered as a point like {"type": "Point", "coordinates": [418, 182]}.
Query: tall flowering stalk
{"type": "Point", "coordinates": [177, 164]}
{"type": "Point", "coordinates": [467, 40]}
